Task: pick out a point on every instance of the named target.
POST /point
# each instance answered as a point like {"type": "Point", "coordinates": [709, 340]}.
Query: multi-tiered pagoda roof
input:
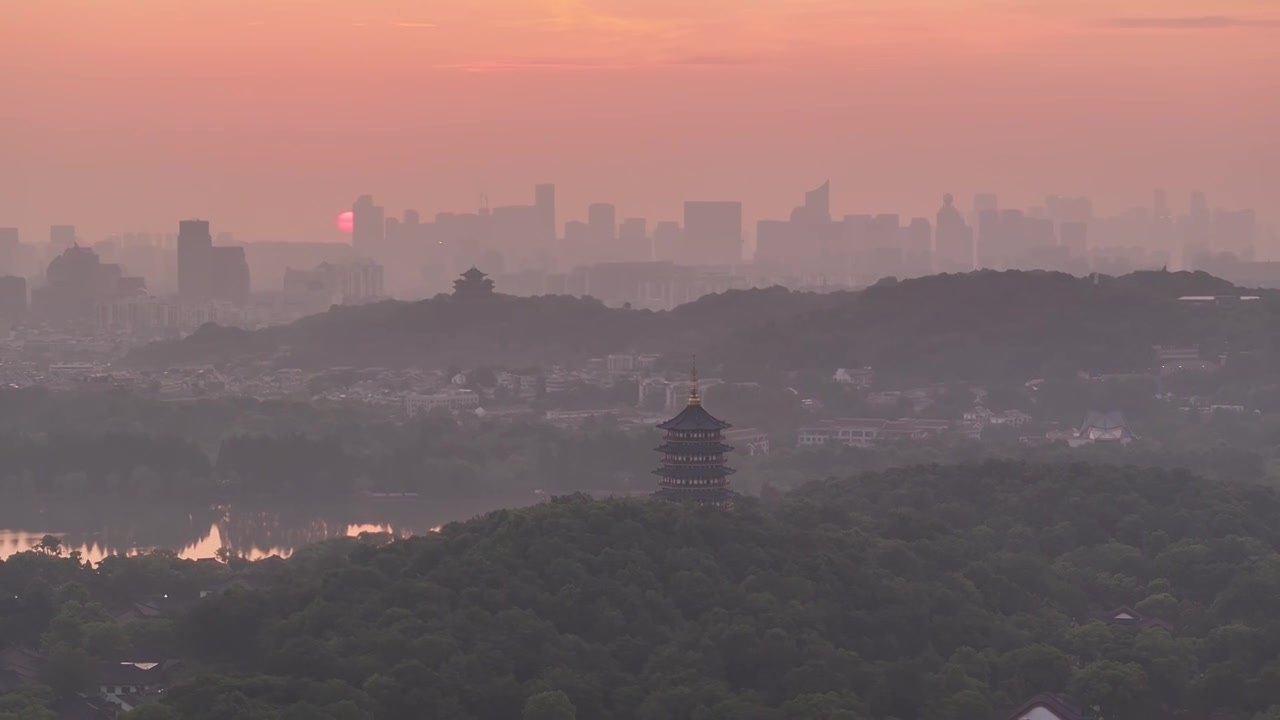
{"type": "Point", "coordinates": [693, 464]}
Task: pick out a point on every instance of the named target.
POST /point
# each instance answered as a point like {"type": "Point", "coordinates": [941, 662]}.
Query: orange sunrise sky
{"type": "Point", "coordinates": [268, 117]}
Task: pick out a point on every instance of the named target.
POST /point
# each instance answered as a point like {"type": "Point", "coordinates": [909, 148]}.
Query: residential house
{"type": "Point", "coordinates": [855, 377]}
{"type": "Point", "coordinates": [1125, 616]}
{"type": "Point", "coordinates": [749, 441]}
{"type": "Point", "coordinates": [1046, 707]}
{"type": "Point", "coordinates": [864, 432]}
{"type": "Point", "coordinates": [451, 399]}
{"type": "Point", "coordinates": [130, 684]}
{"type": "Point", "coordinates": [1104, 427]}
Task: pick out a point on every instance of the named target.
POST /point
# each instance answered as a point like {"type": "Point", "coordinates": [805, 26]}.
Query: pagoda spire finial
{"type": "Point", "coordinates": [694, 398]}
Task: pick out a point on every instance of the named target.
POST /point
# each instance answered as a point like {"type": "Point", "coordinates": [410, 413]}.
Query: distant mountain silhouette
{"type": "Point", "coordinates": [970, 326]}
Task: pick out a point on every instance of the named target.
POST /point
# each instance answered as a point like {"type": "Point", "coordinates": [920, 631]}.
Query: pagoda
{"type": "Point", "coordinates": [473, 283]}
{"type": "Point", "coordinates": [693, 466]}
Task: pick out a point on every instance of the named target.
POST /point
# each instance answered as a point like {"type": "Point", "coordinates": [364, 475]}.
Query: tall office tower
{"type": "Point", "coordinates": [390, 232]}
{"type": "Point", "coordinates": [666, 240]}
{"type": "Point", "coordinates": [633, 237]}
{"type": "Point", "coordinates": [985, 201]}
{"type": "Point", "coordinates": [1235, 231]}
{"type": "Point", "coordinates": [13, 298]}
{"type": "Point", "coordinates": [817, 204]}
{"type": "Point", "coordinates": [1075, 237]}
{"type": "Point", "coordinates": [1160, 205]}
{"type": "Point", "coordinates": [989, 239]}
{"type": "Point", "coordinates": [953, 251]}
{"type": "Point", "coordinates": [712, 233]}
{"type": "Point", "coordinates": [9, 249]}
{"type": "Point", "coordinates": [918, 248]}
{"type": "Point", "coordinates": [602, 223]}
{"type": "Point", "coordinates": [1013, 237]}
{"type": "Point", "coordinates": [62, 237]}
{"type": "Point", "coordinates": [544, 201]}
{"type": "Point", "coordinates": [194, 247]}
{"type": "Point", "coordinates": [576, 247]}
{"type": "Point", "coordinates": [368, 226]}
{"type": "Point", "coordinates": [228, 270]}
{"type": "Point", "coordinates": [1197, 227]}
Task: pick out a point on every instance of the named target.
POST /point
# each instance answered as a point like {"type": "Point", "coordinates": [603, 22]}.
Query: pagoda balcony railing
{"type": "Point", "coordinates": [672, 460]}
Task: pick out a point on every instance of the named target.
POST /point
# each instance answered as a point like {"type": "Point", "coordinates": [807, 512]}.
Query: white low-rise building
{"type": "Point", "coordinates": [452, 399]}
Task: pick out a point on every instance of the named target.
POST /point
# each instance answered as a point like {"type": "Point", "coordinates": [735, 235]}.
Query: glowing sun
{"type": "Point", "coordinates": [346, 221]}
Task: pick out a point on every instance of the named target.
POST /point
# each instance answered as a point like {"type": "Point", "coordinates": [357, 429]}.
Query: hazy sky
{"type": "Point", "coordinates": [268, 116]}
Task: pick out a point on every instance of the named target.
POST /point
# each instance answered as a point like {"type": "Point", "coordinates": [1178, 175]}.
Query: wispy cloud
{"type": "Point", "coordinates": [540, 64]}
{"type": "Point", "coordinates": [569, 64]}
{"type": "Point", "coordinates": [1205, 22]}
{"type": "Point", "coordinates": [412, 24]}
{"type": "Point", "coordinates": [714, 60]}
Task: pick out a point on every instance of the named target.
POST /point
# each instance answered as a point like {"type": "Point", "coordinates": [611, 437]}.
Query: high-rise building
{"type": "Point", "coordinates": [989, 238]}
{"type": "Point", "coordinates": [576, 247]}
{"type": "Point", "coordinates": [368, 226]}
{"type": "Point", "coordinates": [76, 282]}
{"type": "Point", "coordinates": [207, 272]}
{"type": "Point", "coordinates": [953, 251]}
{"type": "Point", "coordinates": [1012, 237]}
{"type": "Point", "coordinates": [13, 298]}
{"type": "Point", "coordinates": [602, 226]}
{"type": "Point", "coordinates": [817, 204]}
{"type": "Point", "coordinates": [10, 248]}
{"type": "Point", "coordinates": [62, 237]}
{"type": "Point", "coordinates": [985, 201]}
{"type": "Point", "coordinates": [195, 244]}
{"type": "Point", "coordinates": [712, 233]}
{"type": "Point", "coordinates": [633, 237]}
{"type": "Point", "coordinates": [1075, 237]}
{"type": "Point", "coordinates": [918, 247]}
{"type": "Point", "coordinates": [666, 240]}
{"type": "Point", "coordinates": [544, 200]}
{"type": "Point", "coordinates": [229, 274]}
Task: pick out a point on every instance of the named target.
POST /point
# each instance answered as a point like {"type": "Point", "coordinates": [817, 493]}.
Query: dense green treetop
{"type": "Point", "coordinates": [941, 593]}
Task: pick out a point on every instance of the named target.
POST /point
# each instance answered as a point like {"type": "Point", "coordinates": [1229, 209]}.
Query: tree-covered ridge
{"type": "Point", "coordinates": [940, 593]}
{"type": "Point", "coordinates": [973, 326]}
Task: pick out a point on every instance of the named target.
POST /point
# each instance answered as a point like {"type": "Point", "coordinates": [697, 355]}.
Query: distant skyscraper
{"type": "Point", "coordinates": [919, 247]}
{"type": "Point", "coordinates": [62, 237]}
{"type": "Point", "coordinates": [953, 250]}
{"type": "Point", "coordinates": [13, 297]}
{"type": "Point", "coordinates": [1012, 238]}
{"type": "Point", "coordinates": [206, 272]}
{"type": "Point", "coordinates": [985, 201]}
{"type": "Point", "coordinates": [666, 240]}
{"type": "Point", "coordinates": [1075, 237]}
{"type": "Point", "coordinates": [368, 226]}
{"type": "Point", "coordinates": [989, 238]}
{"type": "Point", "coordinates": [633, 237]}
{"type": "Point", "coordinates": [817, 204]}
{"type": "Point", "coordinates": [544, 200]}
{"type": "Point", "coordinates": [712, 233]}
{"type": "Point", "coordinates": [577, 242]}
{"type": "Point", "coordinates": [1160, 205]}
{"type": "Point", "coordinates": [229, 274]}
{"type": "Point", "coordinates": [603, 227]}
{"type": "Point", "coordinates": [9, 248]}
{"type": "Point", "coordinates": [194, 247]}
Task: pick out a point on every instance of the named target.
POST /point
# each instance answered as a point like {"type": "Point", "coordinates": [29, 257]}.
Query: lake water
{"type": "Point", "coordinates": [98, 529]}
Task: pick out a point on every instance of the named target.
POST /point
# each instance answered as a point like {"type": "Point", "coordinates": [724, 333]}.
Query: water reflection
{"type": "Point", "coordinates": [98, 529]}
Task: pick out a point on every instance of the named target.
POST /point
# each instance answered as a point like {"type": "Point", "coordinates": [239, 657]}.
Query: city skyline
{"type": "Point", "coordinates": [641, 104]}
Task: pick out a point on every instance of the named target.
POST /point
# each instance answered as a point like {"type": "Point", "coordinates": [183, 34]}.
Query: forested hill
{"type": "Point", "coordinates": [934, 593]}
{"type": "Point", "coordinates": [984, 324]}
